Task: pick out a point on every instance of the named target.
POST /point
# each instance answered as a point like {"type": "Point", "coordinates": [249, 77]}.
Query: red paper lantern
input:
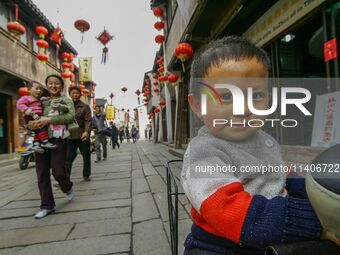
{"type": "Point", "coordinates": [183, 51]}
{"type": "Point", "coordinates": [156, 90]}
{"type": "Point", "coordinates": [147, 93]}
{"type": "Point", "coordinates": [147, 87]}
{"type": "Point", "coordinates": [82, 26]}
{"type": "Point", "coordinates": [147, 81]}
{"type": "Point", "coordinates": [158, 12]}
{"type": "Point", "coordinates": [157, 110]}
{"type": "Point", "coordinates": [163, 78]}
{"type": "Point", "coordinates": [159, 39]}
{"type": "Point", "coordinates": [155, 83]}
{"type": "Point", "coordinates": [65, 56]}
{"type": "Point", "coordinates": [65, 65]}
{"type": "Point", "coordinates": [23, 91]}
{"type": "Point", "coordinates": [124, 89]}
{"type": "Point", "coordinates": [42, 57]}
{"type": "Point", "coordinates": [71, 67]}
{"type": "Point", "coordinates": [173, 78]}
{"type": "Point", "coordinates": [41, 31]}
{"type": "Point", "coordinates": [161, 69]}
{"type": "Point", "coordinates": [66, 75]}
{"type": "Point", "coordinates": [162, 103]}
{"type": "Point", "coordinates": [159, 25]}
{"type": "Point", "coordinates": [154, 75]}
{"type": "Point", "coordinates": [71, 57]}
{"type": "Point", "coordinates": [16, 28]}
{"type": "Point", "coordinates": [42, 44]}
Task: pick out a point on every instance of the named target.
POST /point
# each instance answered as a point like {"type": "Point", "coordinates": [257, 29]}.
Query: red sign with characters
{"type": "Point", "coordinates": [330, 50]}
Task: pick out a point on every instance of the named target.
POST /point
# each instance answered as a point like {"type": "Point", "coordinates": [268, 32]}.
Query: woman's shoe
{"type": "Point", "coordinates": [43, 213]}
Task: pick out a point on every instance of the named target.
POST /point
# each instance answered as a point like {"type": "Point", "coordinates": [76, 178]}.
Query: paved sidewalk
{"type": "Point", "coordinates": [123, 210]}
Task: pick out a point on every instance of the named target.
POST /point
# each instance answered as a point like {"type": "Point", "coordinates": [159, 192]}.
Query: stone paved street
{"type": "Point", "coordinates": [123, 210]}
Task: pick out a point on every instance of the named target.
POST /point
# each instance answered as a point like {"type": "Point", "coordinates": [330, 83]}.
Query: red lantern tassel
{"type": "Point", "coordinates": [105, 55]}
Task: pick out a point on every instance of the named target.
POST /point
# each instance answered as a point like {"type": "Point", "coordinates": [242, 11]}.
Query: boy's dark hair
{"type": "Point", "coordinates": [55, 76]}
{"type": "Point", "coordinates": [229, 48]}
{"type": "Point", "coordinates": [74, 88]}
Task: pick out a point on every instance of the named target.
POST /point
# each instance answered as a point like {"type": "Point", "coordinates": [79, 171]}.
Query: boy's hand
{"type": "Point", "coordinates": [332, 237]}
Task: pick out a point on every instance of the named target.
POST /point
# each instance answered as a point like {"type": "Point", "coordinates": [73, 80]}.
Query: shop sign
{"type": "Point", "coordinates": [110, 112]}
{"type": "Point", "coordinates": [330, 50]}
{"type": "Point", "coordinates": [326, 125]}
{"type": "Point", "coordinates": [85, 69]}
{"type": "Point", "coordinates": [279, 18]}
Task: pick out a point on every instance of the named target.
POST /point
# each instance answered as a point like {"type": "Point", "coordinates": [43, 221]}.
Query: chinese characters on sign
{"type": "Point", "coordinates": [278, 18]}
{"type": "Point", "coordinates": [110, 112]}
{"type": "Point", "coordinates": [85, 69]}
{"type": "Point", "coordinates": [330, 50]}
{"type": "Point", "coordinates": [326, 124]}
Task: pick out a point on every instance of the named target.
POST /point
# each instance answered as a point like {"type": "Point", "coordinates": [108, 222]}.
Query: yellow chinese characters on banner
{"type": "Point", "coordinates": [85, 69]}
{"type": "Point", "coordinates": [110, 112]}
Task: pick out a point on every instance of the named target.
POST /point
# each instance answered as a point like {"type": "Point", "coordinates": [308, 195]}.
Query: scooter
{"type": "Point", "coordinates": [26, 152]}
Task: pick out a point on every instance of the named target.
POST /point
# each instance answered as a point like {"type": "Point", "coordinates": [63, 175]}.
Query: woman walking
{"type": "Point", "coordinates": [53, 159]}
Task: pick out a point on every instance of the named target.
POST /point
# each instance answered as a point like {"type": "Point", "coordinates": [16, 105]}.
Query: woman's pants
{"type": "Point", "coordinates": [52, 159]}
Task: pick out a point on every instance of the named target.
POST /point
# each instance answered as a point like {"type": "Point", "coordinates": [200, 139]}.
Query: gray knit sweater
{"type": "Point", "coordinates": [207, 151]}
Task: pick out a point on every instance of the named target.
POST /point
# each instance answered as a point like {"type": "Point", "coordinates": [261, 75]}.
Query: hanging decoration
{"type": "Point", "coordinates": [163, 78]}
{"type": "Point", "coordinates": [156, 90]}
{"type": "Point", "coordinates": [23, 91]}
{"type": "Point", "coordinates": [105, 37]}
{"type": "Point", "coordinates": [157, 110]}
{"type": "Point", "coordinates": [155, 76]}
{"type": "Point", "coordinates": [111, 97]}
{"type": "Point", "coordinates": [183, 51]}
{"type": "Point", "coordinates": [160, 70]}
{"type": "Point", "coordinates": [124, 89]}
{"type": "Point", "coordinates": [159, 39]}
{"type": "Point", "coordinates": [173, 78]}
{"type": "Point", "coordinates": [162, 103]}
{"type": "Point", "coordinates": [57, 36]}
{"type": "Point", "coordinates": [138, 92]}
{"type": "Point", "coordinates": [158, 12]}
{"type": "Point", "coordinates": [67, 57]}
{"type": "Point", "coordinates": [41, 43]}
{"type": "Point", "coordinates": [82, 26]}
{"type": "Point", "coordinates": [159, 25]}
{"type": "Point", "coordinates": [14, 27]}
{"type": "Point", "coordinates": [155, 83]}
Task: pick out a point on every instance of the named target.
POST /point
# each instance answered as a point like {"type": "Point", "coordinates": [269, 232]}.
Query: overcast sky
{"type": "Point", "coordinates": [131, 52]}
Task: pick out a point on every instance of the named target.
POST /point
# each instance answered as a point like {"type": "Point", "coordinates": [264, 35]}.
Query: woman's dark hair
{"type": "Point", "coordinates": [229, 48]}
{"type": "Point", "coordinates": [55, 76]}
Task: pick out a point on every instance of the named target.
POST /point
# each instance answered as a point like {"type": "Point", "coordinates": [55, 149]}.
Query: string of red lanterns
{"type": "Point", "coordinates": [42, 44]}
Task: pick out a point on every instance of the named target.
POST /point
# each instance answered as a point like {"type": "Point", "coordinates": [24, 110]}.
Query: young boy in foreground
{"type": "Point", "coordinates": [239, 212]}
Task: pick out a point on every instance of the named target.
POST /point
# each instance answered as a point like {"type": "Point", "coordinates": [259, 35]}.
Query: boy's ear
{"type": "Point", "coordinates": [195, 105]}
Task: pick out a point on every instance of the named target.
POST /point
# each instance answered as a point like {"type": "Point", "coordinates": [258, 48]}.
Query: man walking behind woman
{"type": "Point", "coordinates": [79, 138]}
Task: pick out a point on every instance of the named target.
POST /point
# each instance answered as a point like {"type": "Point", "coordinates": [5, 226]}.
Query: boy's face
{"type": "Point", "coordinates": [237, 73]}
{"type": "Point", "coordinates": [36, 90]}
